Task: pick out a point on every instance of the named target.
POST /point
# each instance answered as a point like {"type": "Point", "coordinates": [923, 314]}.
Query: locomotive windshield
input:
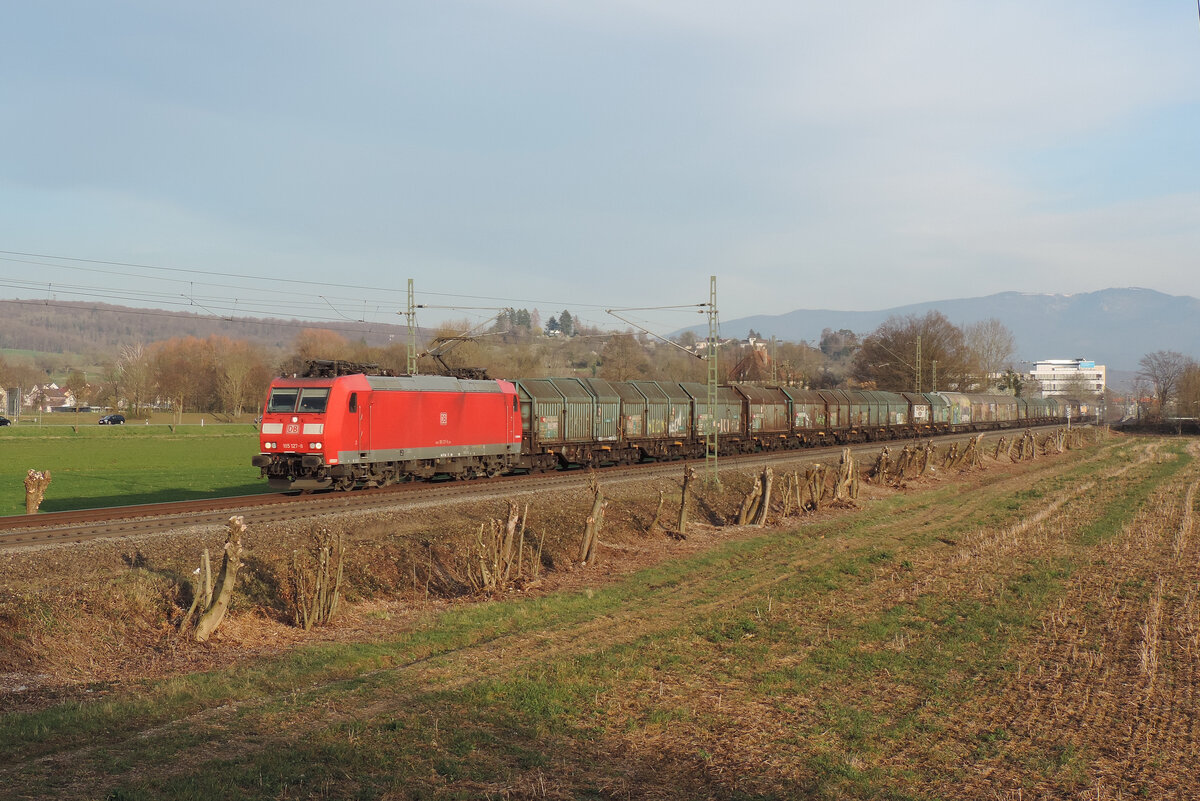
{"type": "Point", "coordinates": [283, 399]}
{"type": "Point", "coordinates": [310, 400]}
{"type": "Point", "coordinates": [313, 400]}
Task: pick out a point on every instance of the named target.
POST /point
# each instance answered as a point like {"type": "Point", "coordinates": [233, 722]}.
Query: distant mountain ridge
{"type": "Point", "coordinates": [100, 329]}
{"type": "Point", "coordinates": [1114, 327]}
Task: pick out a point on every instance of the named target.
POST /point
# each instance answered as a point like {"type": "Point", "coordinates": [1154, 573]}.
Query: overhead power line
{"type": "Point", "coordinates": [273, 281]}
{"type": "Point", "coordinates": [300, 324]}
{"type": "Point", "coordinates": [189, 271]}
{"type": "Point", "coordinates": [254, 295]}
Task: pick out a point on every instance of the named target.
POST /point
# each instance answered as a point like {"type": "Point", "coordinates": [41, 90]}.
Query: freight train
{"type": "Point", "coordinates": [346, 431]}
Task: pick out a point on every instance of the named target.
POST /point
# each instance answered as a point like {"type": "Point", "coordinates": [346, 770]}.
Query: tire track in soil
{"type": "Point", "coordinates": [740, 752]}
{"type": "Point", "coordinates": [986, 552]}
{"type": "Point", "coordinates": [1090, 696]}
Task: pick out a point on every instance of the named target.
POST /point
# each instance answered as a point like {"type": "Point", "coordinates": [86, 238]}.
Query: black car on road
{"type": "Point", "coordinates": [4, 421]}
{"type": "Point", "coordinates": [112, 420]}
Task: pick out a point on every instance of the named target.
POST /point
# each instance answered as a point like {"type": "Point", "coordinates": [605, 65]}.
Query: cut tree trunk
{"type": "Point", "coordinates": [689, 475]}
{"type": "Point", "coordinates": [230, 563]}
{"type": "Point", "coordinates": [36, 483]}
{"type": "Point", "coordinates": [764, 505]}
{"type": "Point", "coordinates": [591, 530]}
{"type": "Point", "coordinates": [845, 490]}
{"type": "Point", "coordinates": [747, 507]}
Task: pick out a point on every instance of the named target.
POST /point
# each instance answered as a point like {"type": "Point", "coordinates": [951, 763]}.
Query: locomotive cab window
{"type": "Point", "coordinates": [283, 400]}
{"type": "Point", "coordinates": [313, 400]}
{"type": "Point", "coordinates": [353, 401]}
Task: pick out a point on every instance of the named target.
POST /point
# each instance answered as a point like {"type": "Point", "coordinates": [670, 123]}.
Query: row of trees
{"type": "Point", "coordinates": [220, 374]}
{"type": "Point", "coordinates": [931, 352]}
{"type": "Point", "coordinates": [217, 374]}
{"type": "Point", "coordinates": [951, 358]}
{"type": "Point", "coordinates": [1167, 385]}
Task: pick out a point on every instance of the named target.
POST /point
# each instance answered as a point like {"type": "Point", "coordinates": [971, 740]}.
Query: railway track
{"type": "Point", "coordinates": [27, 531]}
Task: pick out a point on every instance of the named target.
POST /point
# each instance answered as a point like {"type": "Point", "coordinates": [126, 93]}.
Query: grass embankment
{"type": "Point", "coordinates": [977, 640]}
{"type": "Point", "coordinates": [97, 466]}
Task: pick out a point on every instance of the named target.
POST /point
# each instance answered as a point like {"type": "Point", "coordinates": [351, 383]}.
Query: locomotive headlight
{"type": "Point", "coordinates": [270, 445]}
{"type": "Point", "coordinates": [314, 446]}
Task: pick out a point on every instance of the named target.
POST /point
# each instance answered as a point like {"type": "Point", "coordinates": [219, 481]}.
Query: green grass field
{"type": "Point", "coordinates": [96, 466]}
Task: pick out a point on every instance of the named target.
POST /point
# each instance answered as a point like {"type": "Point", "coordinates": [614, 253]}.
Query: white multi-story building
{"type": "Point", "coordinates": [1057, 376]}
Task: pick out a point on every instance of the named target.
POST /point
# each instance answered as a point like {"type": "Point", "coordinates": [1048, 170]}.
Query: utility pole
{"type": "Point", "coordinates": [918, 390]}
{"type": "Point", "coordinates": [711, 439]}
{"type": "Point", "coordinates": [774, 373]}
{"type": "Point", "coordinates": [411, 314]}
{"type": "Point", "coordinates": [933, 381]}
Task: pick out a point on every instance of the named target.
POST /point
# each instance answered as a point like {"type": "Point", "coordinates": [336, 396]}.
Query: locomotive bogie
{"type": "Point", "coordinates": [537, 462]}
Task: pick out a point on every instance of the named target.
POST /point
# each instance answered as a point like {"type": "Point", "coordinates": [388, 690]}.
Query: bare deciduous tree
{"type": "Point", "coordinates": [1163, 369]}
{"type": "Point", "coordinates": [1187, 401]}
{"type": "Point", "coordinates": [134, 377]}
{"type": "Point", "coordinates": [1076, 387]}
{"type": "Point", "coordinates": [888, 357]}
{"type": "Point", "coordinates": [990, 348]}
{"type": "Point", "coordinates": [185, 373]}
{"type": "Point", "coordinates": [19, 374]}
{"type": "Point", "coordinates": [241, 373]}
{"type": "Point", "coordinates": [797, 363]}
{"type": "Point", "coordinates": [321, 343]}
{"type": "Point", "coordinates": [78, 388]}
{"type": "Point", "coordinates": [623, 359]}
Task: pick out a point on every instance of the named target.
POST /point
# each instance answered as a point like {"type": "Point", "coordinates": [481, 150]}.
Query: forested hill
{"type": "Point", "coordinates": [99, 329]}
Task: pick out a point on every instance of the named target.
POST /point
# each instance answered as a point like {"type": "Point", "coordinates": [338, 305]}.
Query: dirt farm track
{"type": "Point", "coordinates": [1011, 630]}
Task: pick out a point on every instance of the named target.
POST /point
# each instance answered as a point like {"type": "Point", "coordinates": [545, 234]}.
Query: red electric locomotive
{"type": "Point", "coordinates": [367, 430]}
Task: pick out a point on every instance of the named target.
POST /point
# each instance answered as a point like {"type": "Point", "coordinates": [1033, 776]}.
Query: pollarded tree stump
{"type": "Point", "coordinates": [689, 475]}
{"type": "Point", "coordinates": [36, 483]}
{"type": "Point", "coordinates": [746, 511]}
{"type": "Point", "coordinates": [845, 488]}
{"type": "Point", "coordinates": [928, 457]}
{"type": "Point", "coordinates": [593, 524]}
{"type": "Point", "coordinates": [903, 463]}
{"type": "Point", "coordinates": [764, 502]}
{"type": "Point", "coordinates": [226, 579]}
{"type": "Point", "coordinates": [814, 480]}
{"type": "Point", "coordinates": [883, 463]}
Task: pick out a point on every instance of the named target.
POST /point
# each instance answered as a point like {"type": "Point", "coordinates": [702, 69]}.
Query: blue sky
{"type": "Point", "coordinates": [307, 159]}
